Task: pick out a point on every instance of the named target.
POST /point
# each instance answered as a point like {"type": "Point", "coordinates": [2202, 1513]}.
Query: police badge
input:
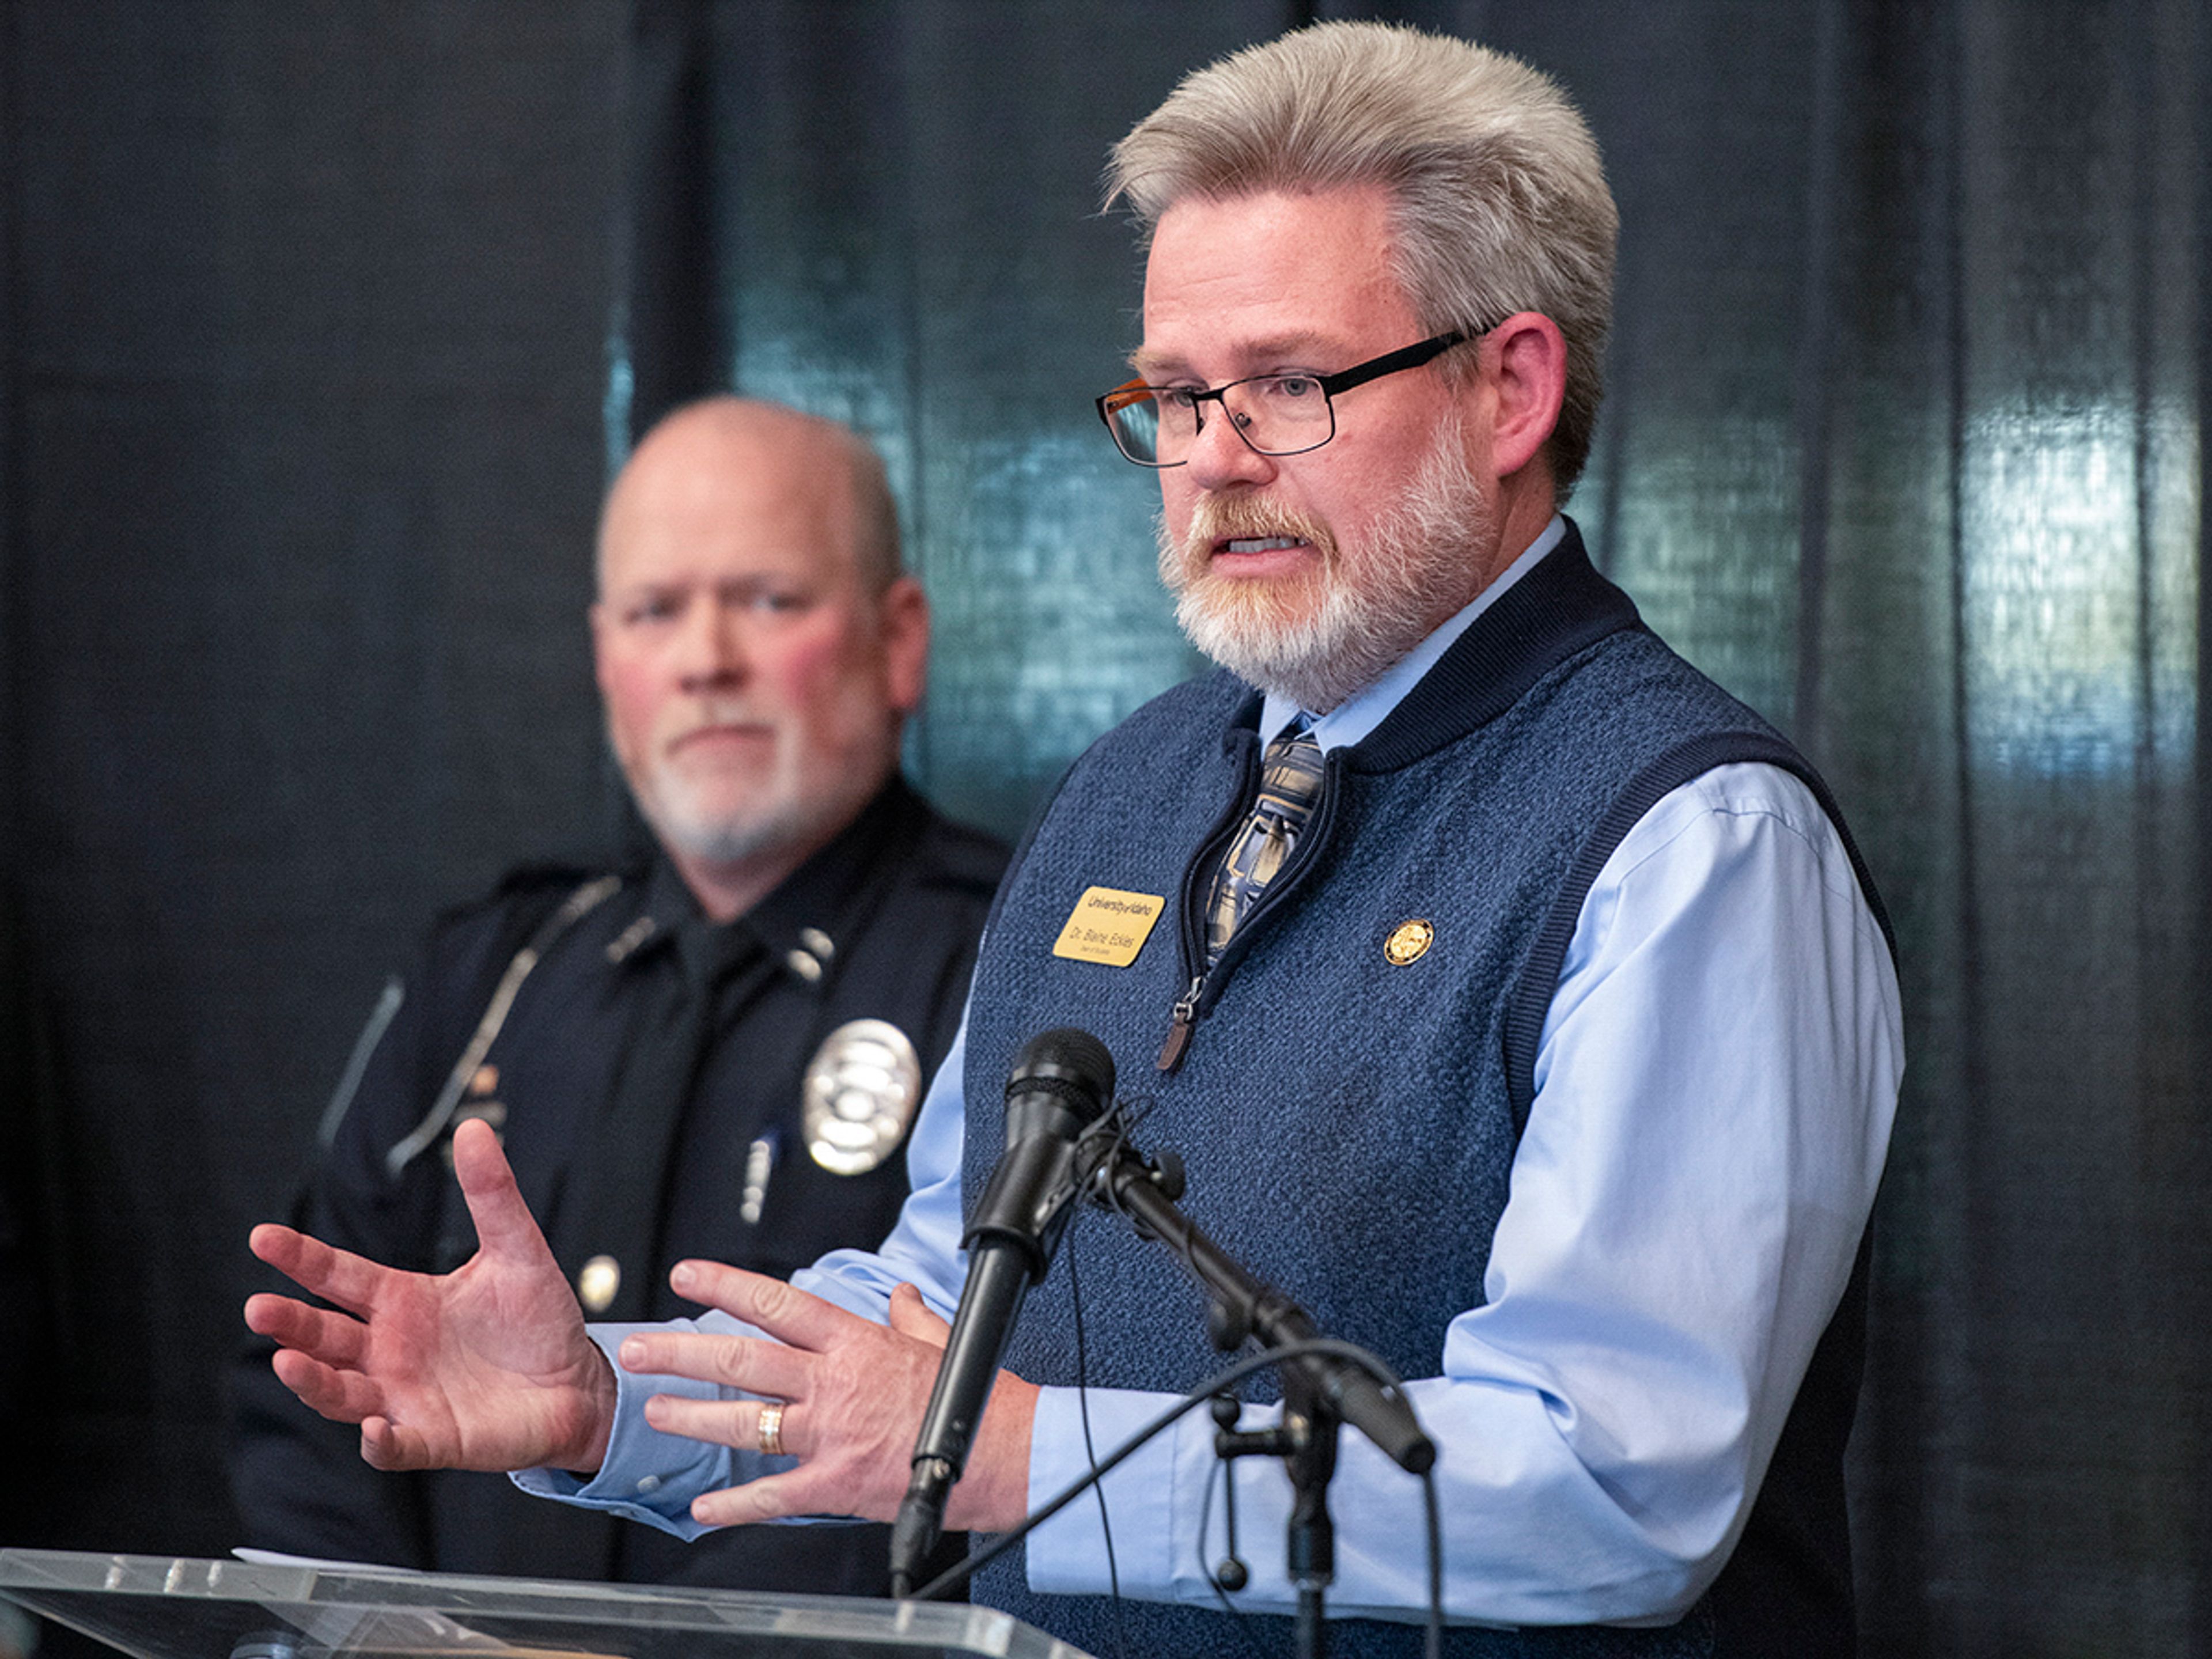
{"type": "Point", "coordinates": [862, 1087]}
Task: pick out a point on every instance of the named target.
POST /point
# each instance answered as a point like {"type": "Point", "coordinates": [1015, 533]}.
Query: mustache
{"type": "Point", "coordinates": [714, 709]}
{"type": "Point", "coordinates": [1216, 519]}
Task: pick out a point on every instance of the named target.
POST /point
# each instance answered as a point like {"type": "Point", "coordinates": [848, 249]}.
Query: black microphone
{"type": "Point", "coordinates": [1061, 1082]}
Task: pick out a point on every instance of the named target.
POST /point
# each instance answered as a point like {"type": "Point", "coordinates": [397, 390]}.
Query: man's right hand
{"type": "Point", "coordinates": [487, 1367]}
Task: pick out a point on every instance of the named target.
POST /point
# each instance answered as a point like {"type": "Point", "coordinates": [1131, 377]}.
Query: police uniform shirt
{"type": "Point", "coordinates": [650, 1084]}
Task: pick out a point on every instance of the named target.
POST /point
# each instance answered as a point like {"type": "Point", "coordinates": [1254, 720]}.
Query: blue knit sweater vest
{"type": "Point", "coordinates": [1348, 1123]}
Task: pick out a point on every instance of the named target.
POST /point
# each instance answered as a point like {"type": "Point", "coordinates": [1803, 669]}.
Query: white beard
{"type": "Point", "coordinates": [1374, 604]}
{"type": "Point", "coordinates": [692, 829]}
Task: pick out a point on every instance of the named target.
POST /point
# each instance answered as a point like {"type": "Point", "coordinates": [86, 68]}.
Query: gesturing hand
{"type": "Point", "coordinates": [487, 1367]}
{"type": "Point", "coordinates": [853, 1393]}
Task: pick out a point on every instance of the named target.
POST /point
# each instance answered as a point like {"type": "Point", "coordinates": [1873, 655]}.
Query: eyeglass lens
{"type": "Point", "coordinates": [1275, 414]}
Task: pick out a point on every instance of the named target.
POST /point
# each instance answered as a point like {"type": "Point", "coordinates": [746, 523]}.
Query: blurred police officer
{"type": "Point", "coordinates": [716, 1053]}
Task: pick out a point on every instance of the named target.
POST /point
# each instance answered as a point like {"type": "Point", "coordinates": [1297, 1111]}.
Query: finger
{"type": "Point", "coordinates": [733, 1423]}
{"type": "Point", "coordinates": [334, 1275]}
{"type": "Point", "coordinates": [771, 1498]}
{"type": "Point", "coordinates": [790, 1316]}
{"type": "Point", "coordinates": [343, 1396]}
{"type": "Point", "coordinates": [756, 1365]}
{"type": "Point", "coordinates": [274, 1244]}
{"type": "Point", "coordinates": [386, 1445]}
{"type": "Point", "coordinates": [331, 1338]}
{"type": "Point", "coordinates": [504, 1222]}
{"type": "Point", "coordinates": [911, 1316]}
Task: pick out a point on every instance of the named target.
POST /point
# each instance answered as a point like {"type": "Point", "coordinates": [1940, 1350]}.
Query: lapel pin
{"type": "Point", "coordinates": [1408, 942]}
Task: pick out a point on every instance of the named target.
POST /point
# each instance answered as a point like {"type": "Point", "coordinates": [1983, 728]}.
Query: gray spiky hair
{"type": "Point", "coordinates": [1499, 198]}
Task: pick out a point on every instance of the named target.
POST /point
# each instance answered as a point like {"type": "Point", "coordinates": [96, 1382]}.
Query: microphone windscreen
{"type": "Point", "coordinates": [1065, 1055]}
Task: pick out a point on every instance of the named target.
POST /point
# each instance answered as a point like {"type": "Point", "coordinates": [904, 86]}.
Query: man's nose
{"type": "Point", "coordinates": [1219, 457]}
{"type": "Point", "coordinates": [714, 649]}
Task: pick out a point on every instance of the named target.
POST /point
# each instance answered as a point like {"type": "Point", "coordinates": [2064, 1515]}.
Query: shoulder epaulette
{"type": "Point", "coordinates": [581, 902]}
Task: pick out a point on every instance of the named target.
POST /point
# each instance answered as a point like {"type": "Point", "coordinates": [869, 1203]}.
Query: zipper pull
{"type": "Point", "coordinates": [1180, 1027]}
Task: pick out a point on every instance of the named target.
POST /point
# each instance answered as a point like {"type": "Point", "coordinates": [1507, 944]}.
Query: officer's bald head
{"type": "Point", "coordinates": [758, 647]}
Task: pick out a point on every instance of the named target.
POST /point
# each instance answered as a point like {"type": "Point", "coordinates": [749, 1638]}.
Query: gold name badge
{"type": "Point", "coordinates": [1108, 925]}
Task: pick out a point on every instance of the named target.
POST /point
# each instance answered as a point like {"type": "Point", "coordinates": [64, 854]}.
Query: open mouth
{"type": "Point", "coordinates": [1260, 558]}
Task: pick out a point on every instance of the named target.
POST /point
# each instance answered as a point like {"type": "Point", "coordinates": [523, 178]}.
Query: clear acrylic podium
{"type": "Point", "coordinates": [161, 1607]}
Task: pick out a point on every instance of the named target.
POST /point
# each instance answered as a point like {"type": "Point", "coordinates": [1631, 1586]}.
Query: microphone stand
{"type": "Point", "coordinates": [1306, 1441]}
{"type": "Point", "coordinates": [1321, 1392]}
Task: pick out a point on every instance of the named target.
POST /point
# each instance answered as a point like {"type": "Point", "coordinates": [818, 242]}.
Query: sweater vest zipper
{"type": "Point", "coordinates": [1207, 982]}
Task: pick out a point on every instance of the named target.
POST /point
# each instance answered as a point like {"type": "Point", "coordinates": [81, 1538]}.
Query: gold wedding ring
{"type": "Point", "coordinates": [771, 1428]}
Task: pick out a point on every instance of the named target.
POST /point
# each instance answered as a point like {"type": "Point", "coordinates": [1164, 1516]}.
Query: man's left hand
{"type": "Point", "coordinates": [853, 1391]}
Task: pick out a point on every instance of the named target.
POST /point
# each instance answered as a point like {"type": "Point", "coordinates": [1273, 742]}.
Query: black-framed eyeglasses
{"type": "Point", "coordinates": [1273, 414]}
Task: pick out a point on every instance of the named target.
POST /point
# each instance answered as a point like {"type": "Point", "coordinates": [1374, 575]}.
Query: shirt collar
{"type": "Point", "coordinates": [802, 920]}
{"type": "Point", "coordinates": [1361, 712]}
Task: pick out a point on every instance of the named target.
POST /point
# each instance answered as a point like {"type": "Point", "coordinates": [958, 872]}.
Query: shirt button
{"type": "Point", "coordinates": [597, 1284]}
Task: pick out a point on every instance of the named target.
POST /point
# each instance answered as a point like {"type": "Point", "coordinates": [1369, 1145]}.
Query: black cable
{"type": "Point", "coordinates": [1435, 1639]}
{"type": "Point", "coordinates": [1220, 1594]}
{"type": "Point", "coordinates": [1091, 1451]}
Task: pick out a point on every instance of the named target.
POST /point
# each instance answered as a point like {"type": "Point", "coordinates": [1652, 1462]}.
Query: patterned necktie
{"type": "Point", "coordinates": [1290, 784]}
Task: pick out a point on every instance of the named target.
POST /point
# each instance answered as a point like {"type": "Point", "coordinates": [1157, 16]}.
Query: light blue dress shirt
{"type": "Point", "coordinates": [1715, 1086]}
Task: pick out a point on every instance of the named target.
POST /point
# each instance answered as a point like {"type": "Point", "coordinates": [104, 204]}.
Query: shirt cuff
{"type": "Point", "coordinates": [1164, 1503]}
{"type": "Point", "coordinates": [647, 1475]}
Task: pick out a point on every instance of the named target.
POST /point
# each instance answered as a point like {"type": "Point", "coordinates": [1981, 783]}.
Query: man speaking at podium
{"type": "Point", "coordinates": [1510, 992]}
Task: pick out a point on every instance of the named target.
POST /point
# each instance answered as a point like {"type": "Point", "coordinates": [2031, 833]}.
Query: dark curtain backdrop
{"type": "Point", "coordinates": [324, 321]}
{"type": "Point", "coordinates": [306, 310]}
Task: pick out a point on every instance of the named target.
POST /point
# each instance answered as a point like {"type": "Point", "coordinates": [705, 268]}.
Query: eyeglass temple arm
{"type": "Point", "coordinates": [1391, 362]}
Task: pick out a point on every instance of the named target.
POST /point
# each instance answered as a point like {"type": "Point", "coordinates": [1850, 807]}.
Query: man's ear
{"type": "Point", "coordinates": [1530, 384]}
{"type": "Point", "coordinates": [596, 615]}
{"type": "Point", "coordinates": [904, 614]}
